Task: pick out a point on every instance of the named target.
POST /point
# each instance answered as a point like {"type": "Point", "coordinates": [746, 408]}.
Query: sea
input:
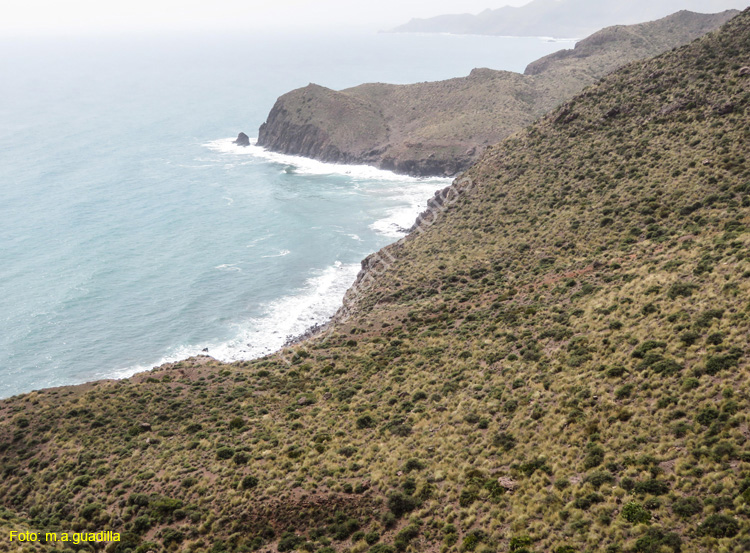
{"type": "Point", "coordinates": [133, 232]}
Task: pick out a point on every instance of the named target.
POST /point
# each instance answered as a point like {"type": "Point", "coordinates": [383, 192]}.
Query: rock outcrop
{"type": "Point", "coordinates": [242, 140]}
{"type": "Point", "coordinates": [440, 128]}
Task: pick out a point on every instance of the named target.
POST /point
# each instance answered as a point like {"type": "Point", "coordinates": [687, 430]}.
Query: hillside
{"type": "Point", "coordinates": [440, 128]}
{"type": "Point", "coordinates": [554, 360]}
{"type": "Point", "coordinates": [561, 18]}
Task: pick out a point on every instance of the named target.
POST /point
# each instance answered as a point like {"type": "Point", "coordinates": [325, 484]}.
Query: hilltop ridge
{"type": "Point", "coordinates": [560, 18]}
{"type": "Point", "coordinates": [440, 128]}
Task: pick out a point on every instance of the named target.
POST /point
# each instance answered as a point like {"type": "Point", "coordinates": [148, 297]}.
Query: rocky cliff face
{"type": "Point", "coordinates": [321, 123]}
{"type": "Point", "coordinates": [440, 128]}
{"type": "Point", "coordinates": [386, 126]}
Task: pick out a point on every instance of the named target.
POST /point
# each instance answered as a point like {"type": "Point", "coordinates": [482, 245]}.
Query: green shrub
{"type": "Point", "coordinates": [450, 539]}
{"type": "Point", "coordinates": [22, 422]}
{"type": "Point", "coordinates": [681, 289]}
{"type": "Point", "coordinates": [162, 507]}
{"type": "Point", "coordinates": [139, 499]}
{"type": "Point", "coordinates": [691, 383]}
{"type": "Point", "coordinates": [615, 371]}
{"type": "Point", "coordinates": [224, 452]}
{"type": "Point", "coordinates": [365, 421]}
{"type": "Point", "coordinates": [707, 415]}
{"type": "Point", "coordinates": [724, 449]}
{"type": "Point", "coordinates": [624, 391]}
{"type": "Point", "coordinates": [249, 482]}
{"type": "Point", "coordinates": [666, 367]}
{"type": "Point", "coordinates": [495, 489]}
{"type": "Point", "coordinates": [89, 511]}
{"type": "Point", "coordinates": [472, 539]}
{"type": "Point", "coordinates": [170, 536]}
{"type": "Point", "coordinates": [342, 530]}
{"type": "Point", "coordinates": [241, 458]}
{"type": "Point", "coordinates": [236, 423]}
{"type": "Point", "coordinates": [290, 541]}
{"type": "Point", "coordinates": [656, 541]}
{"type": "Point", "coordinates": [635, 513]}
{"type": "Point", "coordinates": [594, 456]}
{"type": "Point", "coordinates": [706, 318]}
{"type": "Point", "coordinates": [400, 429]}
{"type": "Point", "coordinates": [382, 548]}
{"type": "Point", "coordinates": [586, 501]}
{"type": "Point", "coordinates": [405, 536]}
{"type": "Point", "coordinates": [687, 506]}
{"type": "Point", "coordinates": [189, 482]}
{"type": "Point", "coordinates": [519, 543]}
{"type": "Point", "coordinates": [530, 467]}
{"type": "Point", "coordinates": [400, 504]}
{"type": "Point", "coordinates": [142, 524]}
{"type": "Point", "coordinates": [600, 477]}
{"type": "Point", "coordinates": [468, 496]}
{"type": "Point", "coordinates": [652, 486]}
{"type": "Point", "coordinates": [719, 526]}
{"type": "Point", "coordinates": [81, 481]}
{"type": "Point", "coordinates": [680, 429]}
{"type": "Point", "coordinates": [347, 451]}
{"type": "Point", "coordinates": [641, 351]}
{"type": "Point", "coordinates": [689, 337]}
{"type": "Point", "coordinates": [717, 363]}
{"type": "Point", "coordinates": [413, 464]}
{"type": "Point", "coordinates": [504, 440]}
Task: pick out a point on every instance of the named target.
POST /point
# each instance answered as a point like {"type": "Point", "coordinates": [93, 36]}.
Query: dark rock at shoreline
{"type": "Point", "coordinates": [308, 333]}
{"type": "Point", "coordinates": [242, 140]}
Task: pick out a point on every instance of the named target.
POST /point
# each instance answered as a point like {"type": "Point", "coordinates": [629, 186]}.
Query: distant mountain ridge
{"type": "Point", "coordinates": [440, 128]}
{"type": "Point", "coordinates": [561, 18]}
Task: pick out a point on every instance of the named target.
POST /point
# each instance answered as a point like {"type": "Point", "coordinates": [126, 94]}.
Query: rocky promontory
{"type": "Point", "coordinates": [440, 128]}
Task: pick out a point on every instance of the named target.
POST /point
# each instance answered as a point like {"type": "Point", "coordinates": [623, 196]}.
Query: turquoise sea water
{"type": "Point", "coordinates": [133, 232]}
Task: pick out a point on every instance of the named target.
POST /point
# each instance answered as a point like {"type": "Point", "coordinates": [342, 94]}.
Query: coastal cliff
{"type": "Point", "coordinates": [440, 128]}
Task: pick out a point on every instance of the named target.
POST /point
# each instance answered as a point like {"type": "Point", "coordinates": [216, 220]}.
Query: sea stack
{"type": "Point", "coordinates": [242, 140]}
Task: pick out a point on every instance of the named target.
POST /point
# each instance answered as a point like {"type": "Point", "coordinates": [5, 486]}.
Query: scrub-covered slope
{"type": "Point", "coordinates": [440, 128]}
{"type": "Point", "coordinates": [555, 360]}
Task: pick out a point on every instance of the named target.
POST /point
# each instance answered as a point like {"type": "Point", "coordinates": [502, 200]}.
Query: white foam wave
{"type": "Point", "coordinates": [229, 267]}
{"type": "Point", "coordinates": [400, 219]}
{"type": "Point", "coordinates": [255, 241]}
{"type": "Point", "coordinates": [315, 303]}
{"type": "Point", "coordinates": [299, 165]}
{"type": "Point", "coordinates": [282, 253]}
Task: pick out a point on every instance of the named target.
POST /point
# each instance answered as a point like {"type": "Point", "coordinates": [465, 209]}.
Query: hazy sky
{"type": "Point", "coordinates": [54, 17]}
{"type": "Point", "coordinates": [102, 16]}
